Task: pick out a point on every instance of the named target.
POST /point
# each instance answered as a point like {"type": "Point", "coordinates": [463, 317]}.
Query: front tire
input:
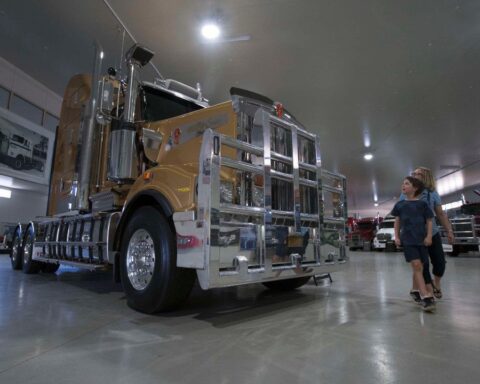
{"type": "Point", "coordinates": [16, 252]}
{"type": "Point", "coordinates": [287, 285]}
{"type": "Point", "coordinates": [455, 251]}
{"type": "Point", "coordinates": [150, 277]}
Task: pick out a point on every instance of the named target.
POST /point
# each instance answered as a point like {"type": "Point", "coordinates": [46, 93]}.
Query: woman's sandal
{"type": "Point", "coordinates": [437, 293]}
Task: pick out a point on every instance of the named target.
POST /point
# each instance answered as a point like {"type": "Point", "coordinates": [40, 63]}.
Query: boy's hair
{"type": "Point", "coordinates": [427, 178]}
{"type": "Point", "coordinates": [417, 184]}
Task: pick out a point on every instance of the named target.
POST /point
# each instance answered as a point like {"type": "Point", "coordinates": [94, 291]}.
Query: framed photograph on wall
{"type": "Point", "coordinates": [26, 149]}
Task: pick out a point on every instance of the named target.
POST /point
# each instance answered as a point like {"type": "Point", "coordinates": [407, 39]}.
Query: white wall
{"type": "Point", "coordinates": [26, 204]}
{"type": "Point", "coordinates": [23, 206]}
{"type": "Point", "coordinates": [470, 196]}
{"type": "Point", "coordinates": [25, 86]}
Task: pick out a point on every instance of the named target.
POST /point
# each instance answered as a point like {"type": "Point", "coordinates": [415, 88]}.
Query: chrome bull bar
{"type": "Point", "coordinates": [255, 239]}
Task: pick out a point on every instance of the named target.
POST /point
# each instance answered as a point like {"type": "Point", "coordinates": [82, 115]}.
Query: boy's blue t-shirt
{"type": "Point", "coordinates": [433, 199]}
{"type": "Point", "coordinates": [413, 216]}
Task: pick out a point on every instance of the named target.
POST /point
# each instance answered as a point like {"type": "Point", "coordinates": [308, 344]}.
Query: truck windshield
{"type": "Point", "coordinates": [159, 105]}
{"type": "Point", "coordinates": [387, 224]}
{"type": "Point", "coordinates": [365, 226]}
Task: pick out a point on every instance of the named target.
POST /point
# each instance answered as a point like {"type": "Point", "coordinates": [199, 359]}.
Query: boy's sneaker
{"type": "Point", "coordinates": [428, 304]}
{"type": "Point", "coordinates": [415, 295]}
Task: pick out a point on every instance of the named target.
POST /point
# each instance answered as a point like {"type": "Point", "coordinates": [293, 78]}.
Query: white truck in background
{"type": "Point", "coordinates": [385, 237]}
{"type": "Point", "coordinates": [17, 151]}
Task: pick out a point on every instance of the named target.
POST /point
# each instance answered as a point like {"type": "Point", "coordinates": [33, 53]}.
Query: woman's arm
{"type": "Point", "coordinates": [442, 217]}
{"type": "Point", "coordinates": [428, 238]}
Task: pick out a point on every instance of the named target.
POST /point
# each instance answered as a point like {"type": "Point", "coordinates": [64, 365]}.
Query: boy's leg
{"type": "Point", "coordinates": [414, 256]}
{"type": "Point", "coordinates": [417, 269]}
{"type": "Point", "coordinates": [427, 277]}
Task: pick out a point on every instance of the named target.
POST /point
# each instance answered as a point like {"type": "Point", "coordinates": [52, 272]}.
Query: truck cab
{"type": "Point", "coordinates": [362, 237]}
{"type": "Point", "coordinates": [466, 229]}
{"type": "Point", "coordinates": [150, 179]}
{"type": "Point", "coordinates": [385, 237]}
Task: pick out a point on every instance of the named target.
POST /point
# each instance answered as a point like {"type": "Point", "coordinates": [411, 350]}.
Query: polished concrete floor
{"type": "Point", "coordinates": [74, 327]}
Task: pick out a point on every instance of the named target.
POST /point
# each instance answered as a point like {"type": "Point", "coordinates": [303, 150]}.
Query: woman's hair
{"type": "Point", "coordinates": [417, 184]}
{"type": "Point", "coordinates": [427, 178]}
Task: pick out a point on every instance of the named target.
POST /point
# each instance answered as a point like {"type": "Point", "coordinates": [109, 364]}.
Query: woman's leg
{"type": "Point", "coordinates": [437, 257]}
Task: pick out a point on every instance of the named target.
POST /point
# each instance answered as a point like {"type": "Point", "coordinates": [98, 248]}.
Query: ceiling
{"type": "Point", "coordinates": [399, 79]}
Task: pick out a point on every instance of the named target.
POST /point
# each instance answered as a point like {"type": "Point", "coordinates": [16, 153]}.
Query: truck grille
{"type": "Point", "coordinates": [384, 236]}
{"type": "Point", "coordinates": [273, 202]}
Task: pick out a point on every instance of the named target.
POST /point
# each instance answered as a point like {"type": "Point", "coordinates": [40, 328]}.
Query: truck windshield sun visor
{"type": "Point", "coordinates": [159, 105]}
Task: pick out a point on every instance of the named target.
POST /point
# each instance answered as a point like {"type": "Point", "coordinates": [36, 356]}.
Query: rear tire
{"type": "Point", "coordinates": [18, 162]}
{"type": "Point", "coordinates": [16, 252]}
{"type": "Point", "coordinates": [455, 251]}
{"type": "Point", "coordinates": [29, 266]}
{"type": "Point", "coordinates": [150, 277]}
{"type": "Point", "coordinates": [287, 285]}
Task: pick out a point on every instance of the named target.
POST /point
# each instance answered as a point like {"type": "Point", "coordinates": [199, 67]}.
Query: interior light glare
{"type": "Point", "coordinates": [210, 31]}
{"type": "Point", "coordinates": [6, 193]}
{"type": "Point", "coordinates": [368, 156]}
{"type": "Point", "coordinates": [375, 204]}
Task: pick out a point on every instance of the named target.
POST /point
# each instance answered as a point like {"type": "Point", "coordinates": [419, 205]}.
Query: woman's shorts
{"type": "Point", "coordinates": [415, 252]}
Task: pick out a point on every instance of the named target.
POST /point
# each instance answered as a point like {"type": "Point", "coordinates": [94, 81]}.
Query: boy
{"type": "Point", "coordinates": [414, 218]}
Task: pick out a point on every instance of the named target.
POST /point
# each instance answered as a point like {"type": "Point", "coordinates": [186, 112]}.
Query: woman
{"type": "Point", "coordinates": [435, 251]}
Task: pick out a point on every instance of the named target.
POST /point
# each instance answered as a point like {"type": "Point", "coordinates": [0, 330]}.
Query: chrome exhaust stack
{"type": "Point", "coordinates": [86, 151]}
{"type": "Point", "coordinates": [122, 148]}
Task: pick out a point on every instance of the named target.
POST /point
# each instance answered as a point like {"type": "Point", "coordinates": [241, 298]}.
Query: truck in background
{"type": "Point", "coordinates": [15, 150]}
{"type": "Point", "coordinates": [385, 237]}
{"type": "Point", "coordinates": [150, 179]}
{"type": "Point", "coordinates": [6, 234]}
{"type": "Point", "coordinates": [362, 237]}
{"type": "Point", "coordinates": [466, 229]}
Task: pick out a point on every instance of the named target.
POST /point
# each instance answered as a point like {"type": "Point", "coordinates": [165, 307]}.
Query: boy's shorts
{"type": "Point", "coordinates": [415, 252]}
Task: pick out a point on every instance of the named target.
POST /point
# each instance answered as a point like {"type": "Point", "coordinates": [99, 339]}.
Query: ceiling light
{"type": "Point", "coordinates": [210, 31]}
{"type": "Point", "coordinates": [368, 156]}
{"type": "Point", "coordinates": [6, 193]}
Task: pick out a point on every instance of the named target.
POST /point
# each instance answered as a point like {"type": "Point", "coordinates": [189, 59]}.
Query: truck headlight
{"type": "Point", "coordinates": [226, 192]}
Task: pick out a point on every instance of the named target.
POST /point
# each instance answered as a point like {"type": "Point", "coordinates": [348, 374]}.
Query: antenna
{"type": "Point", "coordinates": [129, 33]}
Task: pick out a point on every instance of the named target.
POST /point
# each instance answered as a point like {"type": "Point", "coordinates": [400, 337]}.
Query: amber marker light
{"type": "Point", "coordinates": [147, 176]}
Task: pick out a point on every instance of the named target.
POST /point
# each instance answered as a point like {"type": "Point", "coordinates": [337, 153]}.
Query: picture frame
{"type": "Point", "coordinates": [26, 148]}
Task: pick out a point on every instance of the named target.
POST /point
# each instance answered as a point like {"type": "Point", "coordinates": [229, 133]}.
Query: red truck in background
{"type": "Point", "coordinates": [364, 233]}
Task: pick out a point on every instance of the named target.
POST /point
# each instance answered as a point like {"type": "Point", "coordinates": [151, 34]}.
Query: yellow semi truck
{"type": "Point", "coordinates": [150, 179]}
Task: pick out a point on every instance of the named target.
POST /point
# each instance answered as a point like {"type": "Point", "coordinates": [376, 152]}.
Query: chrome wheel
{"type": "Point", "coordinates": [140, 260]}
{"type": "Point", "coordinates": [15, 249]}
